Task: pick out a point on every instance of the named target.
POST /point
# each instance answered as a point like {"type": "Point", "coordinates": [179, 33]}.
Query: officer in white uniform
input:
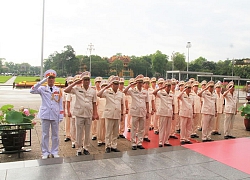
{"type": "Point", "coordinates": [85, 110]}
{"type": "Point", "coordinates": [208, 111]}
{"type": "Point", "coordinates": [165, 112]}
{"type": "Point", "coordinates": [101, 122]}
{"type": "Point", "coordinates": [71, 99]}
{"type": "Point", "coordinates": [186, 113]}
{"type": "Point", "coordinates": [50, 112]}
{"type": "Point", "coordinates": [197, 109]}
{"type": "Point", "coordinates": [146, 86]}
{"type": "Point", "coordinates": [230, 110]}
{"type": "Point", "coordinates": [94, 123]}
{"type": "Point", "coordinates": [125, 109]}
{"type": "Point", "coordinates": [128, 97]}
{"type": "Point", "coordinates": [219, 109]}
{"type": "Point", "coordinates": [139, 111]}
{"type": "Point", "coordinates": [112, 113]}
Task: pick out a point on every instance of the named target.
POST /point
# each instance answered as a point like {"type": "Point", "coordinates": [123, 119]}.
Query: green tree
{"type": "Point", "coordinates": [179, 62]}
{"type": "Point", "coordinates": [116, 66]}
{"type": "Point", "coordinates": [159, 62]}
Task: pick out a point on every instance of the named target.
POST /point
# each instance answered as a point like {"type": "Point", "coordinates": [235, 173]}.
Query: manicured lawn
{"type": "Point", "coordinates": [3, 79]}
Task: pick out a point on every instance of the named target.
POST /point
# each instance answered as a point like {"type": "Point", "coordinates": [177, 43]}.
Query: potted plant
{"type": "Point", "coordinates": [245, 112]}
{"type": "Point", "coordinates": [13, 126]}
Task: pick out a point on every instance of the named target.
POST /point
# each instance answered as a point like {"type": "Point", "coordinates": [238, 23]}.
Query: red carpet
{"type": "Point", "coordinates": [233, 152]}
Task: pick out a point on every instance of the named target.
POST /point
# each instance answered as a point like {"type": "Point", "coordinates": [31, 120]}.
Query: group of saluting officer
{"type": "Point", "coordinates": [167, 107]}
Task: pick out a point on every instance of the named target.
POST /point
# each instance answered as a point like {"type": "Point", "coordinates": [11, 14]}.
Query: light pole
{"type": "Point", "coordinates": [90, 48]}
{"type": "Point", "coordinates": [41, 70]}
{"type": "Point", "coordinates": [188, 46]}
{"type": "Point", "coordinates": [172, 57]}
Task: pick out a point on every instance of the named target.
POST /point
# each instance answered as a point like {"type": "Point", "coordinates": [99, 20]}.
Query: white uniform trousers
{"type": "Point", "coordinates": [164, 129]}
{"type": "Point", "coordinates": [73, 129]}
{"type": "Point", "coordinates": [137, 124]}
{"type": "Point", "coordinates": [112, 129]}
{"type": "Point", "coordinates": [94, 128]}
{"type": "Point", "coordinates": [129, 121]}
{"type": "Point", "coordinates": [46, 124]}
{"type": "Point", "coordinates": [146, 126]}
{"type": "Point", "coordinates": [101, 130]}
{"type": "Point", "coordinates": [156, 122]}
{"type": "Point", "coordinates": [228, 124]}
{"type": "Point", "coordinates": [122, 125]}
{"type": "Point", "coordinates": [186, 128]}
{"type": "Point", "coordinates": [217, 121]}
{"type": "Point", "coordinates": [207, 126]}
{"type": "Point", "coordinates": [195, 123]}
{"type": "Point", "coordinates": [67, 126]}
{"type": "Point", "coordinates": [83, 126]}
{"type": "Point", "coordinates": [174, 125]}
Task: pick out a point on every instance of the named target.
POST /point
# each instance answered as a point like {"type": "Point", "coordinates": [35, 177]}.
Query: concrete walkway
{"type": "Point", "coordinates": [9, 82]}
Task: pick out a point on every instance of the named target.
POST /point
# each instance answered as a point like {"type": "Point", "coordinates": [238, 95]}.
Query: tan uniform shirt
{"type": "Point", "coordinates": [150, 97]}
{"type": "Point", "coordinates": [84, 101]}
{"type": "Point", "coordinates": [186, 106]}
{"type": "Point", "coordinates": [197, 102]}
{"type": "Point", "coordinates": [113, 104]}
{"type": "Point", "coordinates": [166, 103]}
{"type": "Point", "coordinates": [209, 100]}
{"type": "Point", "coordinates": [64, 98]}
{"type": "Point", "coordinates": [176, 93]}
{"type": "Point", "coordinates": [219, 103]}
{"type": "Point", "coordinates": [230, 103]}
{"type": "Point", "coordinates": [72, 99]}
{"type": "Point", "coordinates": [138, 105]}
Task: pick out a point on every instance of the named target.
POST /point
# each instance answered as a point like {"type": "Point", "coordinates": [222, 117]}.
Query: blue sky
{"type": "Point", "coordinates": [216, 29]}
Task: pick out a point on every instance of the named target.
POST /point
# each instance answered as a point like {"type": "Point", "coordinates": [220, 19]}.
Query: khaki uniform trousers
{"type": "Point", "coordinates": [100, 128]}
{"type": "Point", "coordinates": [146, 126]}
{"type": "Point", "coordinates": [94, 128]}
{"type": "Point", "coordinates": [217, 121]}
{"type": "Point", "coordinates": [137, 124]}
{"type": "Point", "coordinates": [73, 129]}
{"type": "Point", "coordinates": [195, 124]}
{"type": "Point", "coordinates": [83, 126]}
{"type": "Point", "coordinates": [122, 125]}
{"type": "Point", "coordinates": [207, 126]}
{"type": "Point", "coordinates": [228, 124]}
{"type": "Point", "coordinates": [129, 120]}
{"type": "Point", "coordinates": [174, 126]}
{"type": "Point", "coordinates": [156, 122]}
{"type": "Point", "coordinates": [186, 128]}
{"type": "Point", "coordinates": [67, 126]}
{"type": "Point", "coordinates": [112, 129]}
{"type": "Point", "coordinates": [164, 129]}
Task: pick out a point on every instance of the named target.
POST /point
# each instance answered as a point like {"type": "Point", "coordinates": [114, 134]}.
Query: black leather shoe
{"type": "Point", "coordinates": [86, 152]}
{"type": "Point", "coordinates": [99, 144]}
{"type": "Point", "coordinates": [115, 150]}
{"type": "Point", "coordinates": [140, 147]}
{"type": "Point", "coordinates": [107, 150]}
{"type": "Point", "coordinates": [205, 140]}
{"type": "Point", "coordinates": [146, 139]}
{"type": "Point", "coordinates": [167, 144]}
{"type": "Point", "coordinates": [156, 132]}
{"type": "Point", "coordinates": [178, 131]}
{"type": "Point", "coordinates": [94, 138]}
{"type": "Point", "coordinates": [218, 133]}
{"type": "Point", "coordinates": [128, 130]}
{"type": "Point", "coordinates": [182, 142]}
{"type": "Point", "coordinates": [173, 137]}
{"type": "Point", "coordinates": [78, 153]}
{"type": "Point", "coordinates": [150, 129]}
{"type": "Point", "coordinates": [67, 139]}
{"type": "Point", "coordinates": [188, 142]}
{"type": "Point", "coordinates": [73, 146]}
{"type": "Point", "coordinates": [209, 140]}
{"type": "Point", "coordinates": [122, 136]}
{"type": "Point", "coordinates": [226, 137]}
{"type": "Point", "coordinates": [192, 136]}
{"type": "Point", "coordinates": [160, 145]}
{"type": "Point", "coordinates": [134, 147]}
{"type": "Point", "coordinates": [232, 137]}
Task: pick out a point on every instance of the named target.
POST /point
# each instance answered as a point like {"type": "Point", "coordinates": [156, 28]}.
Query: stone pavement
{"type": "Point", "coordinates": [158, 163]}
